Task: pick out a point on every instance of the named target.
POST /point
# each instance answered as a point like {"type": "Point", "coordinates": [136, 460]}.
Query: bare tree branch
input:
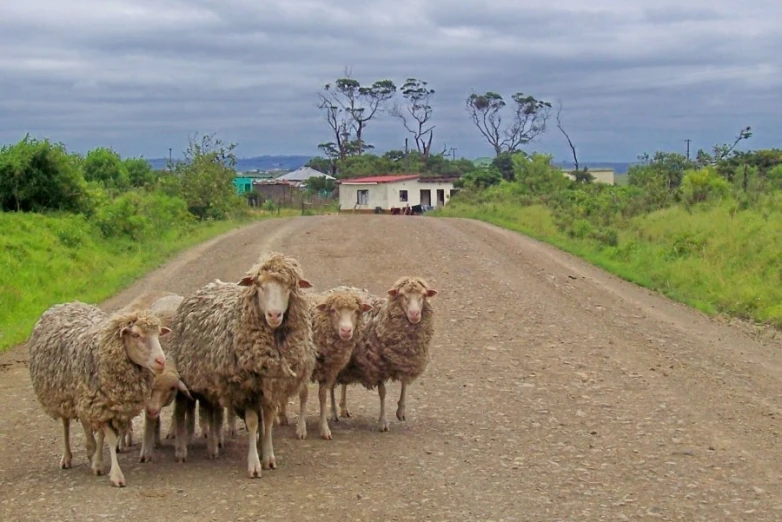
{"type": "Point", "coordinates": [562, 130]}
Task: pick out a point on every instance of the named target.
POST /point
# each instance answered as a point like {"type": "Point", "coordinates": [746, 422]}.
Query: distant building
{"type": "Point", "coordinates": [394, 191]}
{"type": "Point", "coordinates": [243, 181]}
{"type": "Point", "coordinates": [606, 176]}
{"type": "Point", "coordinates": [299, 176]}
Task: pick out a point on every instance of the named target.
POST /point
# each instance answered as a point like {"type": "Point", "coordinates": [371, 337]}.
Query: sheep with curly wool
{"type": "Point", "coordinates": [95, 367]}
{"type": "Point", "coordinates": [245, 346]}
{"type": "Point", "coordinates": [336, 327]}
{"type": "Point", "coordinates": [394, 346]}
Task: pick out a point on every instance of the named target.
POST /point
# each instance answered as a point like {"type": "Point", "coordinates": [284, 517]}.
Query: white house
{"type": "Point", "coordinates": [600, 175]}
{"type": "Point", "coordinates": [394, 191]}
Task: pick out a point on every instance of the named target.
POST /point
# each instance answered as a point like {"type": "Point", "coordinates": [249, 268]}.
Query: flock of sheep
{"type": "Point", "coordinates": [244, 348]}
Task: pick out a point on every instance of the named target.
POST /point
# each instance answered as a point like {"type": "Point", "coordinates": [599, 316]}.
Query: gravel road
{"type": "Point", "coordinates": [555, 392]}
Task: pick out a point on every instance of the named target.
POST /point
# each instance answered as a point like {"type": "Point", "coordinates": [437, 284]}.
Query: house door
{"type": "Point", "coordinates": [440, 197]}
{"type": "Point", "coordinates": [426, 197]}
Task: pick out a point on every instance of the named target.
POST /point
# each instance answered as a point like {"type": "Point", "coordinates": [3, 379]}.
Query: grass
{"type": "Point", "coordinates": [720, 260]}
{"type": "Point", "coordinates": [54, 258]}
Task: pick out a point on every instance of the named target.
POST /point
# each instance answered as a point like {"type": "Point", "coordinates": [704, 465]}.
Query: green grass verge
{"type": "Point", "coordinates": [719, 260]}
{"type": "Point", "coordinates": [54, 258]}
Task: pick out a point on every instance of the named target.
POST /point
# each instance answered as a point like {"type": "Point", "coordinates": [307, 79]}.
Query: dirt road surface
{"type": "Point", "coordinates": [555, 392]}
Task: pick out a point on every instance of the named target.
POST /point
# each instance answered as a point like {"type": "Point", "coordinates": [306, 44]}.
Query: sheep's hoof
{"type": "Point", "coordinates": [97, 472]}
{"type": "Point", "coordinates": [180, 456]}
{"type": "Point", "coordinates": [345, 413]}
{"type": "Point", "coordinates": [145, 458]}
{"type": "Point", "coordinates": [269, 463]}
{"type": "Point", "coordinates": [170, 436]}
{"type": "Point", "coordinates": [117, 480]}
{"type": "Point", "coordinates": [400, 414]}
{"type": "Point", "coordinates": [325, 434]}
{"type": "Point", "coordinates": [65, 462]}
{"type": "Point", "coordinates": [254, 470]}
{"type": "Point", "coordinates": [383, 426]}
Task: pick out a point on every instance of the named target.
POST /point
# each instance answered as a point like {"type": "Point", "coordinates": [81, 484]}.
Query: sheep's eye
{"type": "Point", "coordinates": [173, 388]}
{"type": "Point", "coordinates": [135, 334]}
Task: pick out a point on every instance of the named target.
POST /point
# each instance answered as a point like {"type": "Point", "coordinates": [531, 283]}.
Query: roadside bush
{"type": "Point", "coordinates": [39, 175]}
{"type": "Point", "coordinates": [701, 185]}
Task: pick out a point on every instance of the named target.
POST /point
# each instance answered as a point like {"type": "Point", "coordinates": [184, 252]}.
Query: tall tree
{"type": "Point", "coordinates": [417, 107]}
{"type": "Point", "coordinates": [528, 122]}
{"type": "Point", "coordinates": [581, 176]}
{"type": "Point", "coordinates": [349, 107]}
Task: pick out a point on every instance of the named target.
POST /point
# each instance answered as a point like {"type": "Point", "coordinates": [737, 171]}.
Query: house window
{"type": "Point", "coordinates": [362, 197]}
{"type": "Point", "coordinates": [403, 195]}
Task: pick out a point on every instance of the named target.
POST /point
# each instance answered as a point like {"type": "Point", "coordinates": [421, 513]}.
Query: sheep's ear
{"type": "Point", "coordinates": [183, 388]}
{"type": "Point", "coordinates": [431, 292]}
{"type": "Point", "coordinates": [322, 307]}
{"type": "Point", "coordinates": [164, 330]}
{"type": "Point", "coordinates": [303, 283]}
{"type": "Point", "coordinates": [247, 280]}
{"type": "Point", "coordinates": [124, 330]}
{"type": "Point", "coordinates": [366, 307]}
{"type": "Point", "coordinates": [393, 292]}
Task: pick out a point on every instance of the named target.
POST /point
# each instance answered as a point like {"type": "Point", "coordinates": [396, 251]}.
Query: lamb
{"type": "Point", "coordinates": [336, 326]}
{"type": "Point", "coordinates": [394, 346]}
{"type": "Point", "coordinates": [164, 389]}
{"type": "Point", "coordinates": [95, 367]}
{"type": "Point", "coordinates": [245, 346]}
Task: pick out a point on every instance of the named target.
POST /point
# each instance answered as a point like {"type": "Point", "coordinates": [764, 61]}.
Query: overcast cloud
{"type": "Point", "coordinates": [139, 75]}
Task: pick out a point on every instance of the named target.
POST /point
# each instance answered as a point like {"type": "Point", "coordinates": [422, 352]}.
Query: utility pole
{"type": "Point", "coordinates": [688, 140]}
{"type": "Point", "coordinates": [170, 163]}
{"type": "Point", "coordinates": [407, 158]}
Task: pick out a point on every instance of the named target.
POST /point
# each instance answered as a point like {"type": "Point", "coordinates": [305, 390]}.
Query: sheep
{"type": "Point", "coordinates": [245, 346]}
{"type": "Point", "coordinates": [336, 326]}
{"type": "Point", "coordinates": [164, 305]}
{"type": "Point", "coordinates": [394, 346]}
{"type": "Point", "coordinates": [164, 389]}
{"type": "Point", "coordinates": [98, 368]}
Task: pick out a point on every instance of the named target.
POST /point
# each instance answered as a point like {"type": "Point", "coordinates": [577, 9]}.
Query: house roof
{"type": "Point", "coordinates": [304, 173]}
{"type": "Point", "coordinates": [379, 179]}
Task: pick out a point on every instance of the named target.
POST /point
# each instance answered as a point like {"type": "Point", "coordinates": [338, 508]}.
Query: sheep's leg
{"type": "Point", "coordinates": [253, 462]}
{"type": "Point", "coordinates": [97, 457]}
{"type": "Point", "coordinates": [147, 442]}
{"type": "Point", "coordinates": [180, 412]}
{"type": "Point", "coordinates": [382, 422]}
{"type": "Point", "coordinates": [190, 419]}
{"type": "Point", "coordinates": [89, 439]}
{"type": "Point", "coordinates": [343, 401]}
{"type": "Point", "coordinates": [210, 412]}
{"type": "Point", "coordinates": [115, 473]}
{"type": "Point", "coordinates": [203, 419]}
{"type": "Point", "coordinates": [231, 414]}
{"type": "Point", "coordinates": [218, 415]}
{"type": "Point", "coordinates": [171, 427]}
{"type": "Point", "coordinates": [334, 416]}
{"type": "Point", "coordinates": [158, 424]}
{"type": "Point", "coordinates": [400, 410]}
{"type": "Point", "coordinates": [301, 427]}
{"type": "Point", "coordinates": [268, 411]}
{"type": "Point", "coordinates": [67, 456]}
{"type": "Point", "coordinates": [325, 432]}
{"type": "Point", "coordinates": [282, 415]}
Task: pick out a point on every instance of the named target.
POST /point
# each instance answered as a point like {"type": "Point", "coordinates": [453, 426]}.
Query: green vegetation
{"type": "Point", "coordinates": [83, 228]}
{"type": "Point", "coordinates": [706, 232]}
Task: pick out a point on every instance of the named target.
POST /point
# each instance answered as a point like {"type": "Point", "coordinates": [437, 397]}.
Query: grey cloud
{"type": "Point", "coordinates": [143, 73]}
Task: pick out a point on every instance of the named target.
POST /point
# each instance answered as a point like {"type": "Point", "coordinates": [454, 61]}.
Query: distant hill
{"type": "Point", "coordinates": [294, 162]}
{"type": "Point", "coordinates": [256, 163]}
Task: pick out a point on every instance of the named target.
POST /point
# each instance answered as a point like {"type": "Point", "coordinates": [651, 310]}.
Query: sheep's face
{"type": "Point", "coordinates": [412, 301]}
{"type": "Point", "coordinates": [343, 317]}
{"type": "Point", "coordinates": [165, 387]}
{"type": "Point", "coordinates": [273, 297]}
{"type": "Point", "coordinates": [143, 347]}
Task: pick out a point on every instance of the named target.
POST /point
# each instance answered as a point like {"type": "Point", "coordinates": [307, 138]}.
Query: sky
{"type": "Point", "coordinates": [141, 76]}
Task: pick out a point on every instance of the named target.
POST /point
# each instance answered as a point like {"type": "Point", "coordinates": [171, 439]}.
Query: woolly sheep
{"type": "Point", "coordinates": [164, 305]}
{"type": "Point", "coordinates": [336, 327]}
{"type": "Point", "coordinates": [99, 368]}
{"type": "Point", "coordinates": [246, 347]}
{"type": "Point", "coordinates": [394, 346]}
{"type": "Point", "coordinates": [164, 389]}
